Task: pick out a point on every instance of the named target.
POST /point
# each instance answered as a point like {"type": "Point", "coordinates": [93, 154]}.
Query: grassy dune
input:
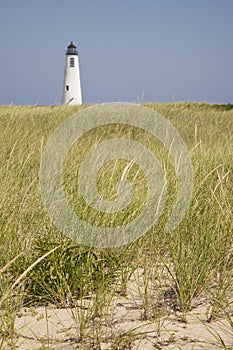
{"type": "Point", "coordinates": [39, 265]}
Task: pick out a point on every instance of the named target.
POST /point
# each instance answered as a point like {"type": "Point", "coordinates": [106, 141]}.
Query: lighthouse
{"type": "Point", "coordinates": [72, 94]}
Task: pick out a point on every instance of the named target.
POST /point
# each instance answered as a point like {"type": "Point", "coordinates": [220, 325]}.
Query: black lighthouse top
{"type": "Point", "coordinates": [71, 49]}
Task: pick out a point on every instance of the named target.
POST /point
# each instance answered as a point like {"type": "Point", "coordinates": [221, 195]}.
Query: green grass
{"type": "Point", "coordinates": [197, 255]}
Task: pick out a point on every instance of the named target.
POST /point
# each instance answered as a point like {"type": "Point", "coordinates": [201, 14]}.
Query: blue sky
{"type": "Point", "coordinates": [130, 50]}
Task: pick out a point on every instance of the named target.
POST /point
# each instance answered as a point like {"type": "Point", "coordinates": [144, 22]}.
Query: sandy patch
{"type": "Point", "coordinates": [122, 325]}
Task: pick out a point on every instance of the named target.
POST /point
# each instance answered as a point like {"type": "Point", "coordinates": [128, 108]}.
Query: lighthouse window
{"type": "Point", "coordinates": [72, 62]}
{"type": "Point", "coordinates": [67, 87]}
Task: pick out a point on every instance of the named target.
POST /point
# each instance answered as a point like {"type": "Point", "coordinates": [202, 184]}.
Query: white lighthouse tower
{"type": "Point", "coordinates": [72, 93]}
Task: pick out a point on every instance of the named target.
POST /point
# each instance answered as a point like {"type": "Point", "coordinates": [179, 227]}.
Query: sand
{"type": "Point", "coordinates": [53, 328]}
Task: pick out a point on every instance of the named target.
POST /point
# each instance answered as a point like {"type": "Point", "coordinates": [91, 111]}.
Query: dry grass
{"type": "Point", "coordinates": [193, 262]}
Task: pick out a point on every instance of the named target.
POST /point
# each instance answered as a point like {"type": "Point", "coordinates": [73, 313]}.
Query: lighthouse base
{"type": "Point", "coordinates": [73, 102]}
